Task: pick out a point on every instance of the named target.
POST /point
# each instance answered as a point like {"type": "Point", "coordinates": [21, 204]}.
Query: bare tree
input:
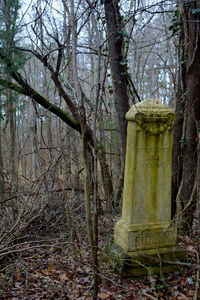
{"type": "Point", "coordinates": [187, 154]}
{"type": "Point", "coordinates": [118, 63]}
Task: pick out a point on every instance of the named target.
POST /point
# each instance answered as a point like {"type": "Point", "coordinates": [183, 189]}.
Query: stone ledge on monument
{"type": "Point", "coordinates": [144, 236]}
{"type": "Point", "coordinates": [150, 108]}
{"type": "Point", "coordinates": [147, 262]}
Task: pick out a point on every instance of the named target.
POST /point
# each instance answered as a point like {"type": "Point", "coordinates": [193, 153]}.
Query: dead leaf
{"type": "Point", "coordinates": [191, 293]}
{"type": "Point", "coordinates": [48, 271]}
{"type": "Point", "coordinates": [103, 296]}
{"type": "Point", "coordinates": [191, 249]}
{"type": "Point", "coordinates": [64, 277]}
{"type": "Point", "coordinates": [182, 297]}
{"type": "Point", "coordinates": [37, 274]}
{"type": "Point", "coordinates": [148, 295]}
{"type": "Point", "coordinates": [187, 238]}
{"type": "Point", "coordinates": [79, 270]}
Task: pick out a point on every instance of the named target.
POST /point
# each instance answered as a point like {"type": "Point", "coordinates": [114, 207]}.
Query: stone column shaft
{"type": "Point", "coordinates": [146, 211]}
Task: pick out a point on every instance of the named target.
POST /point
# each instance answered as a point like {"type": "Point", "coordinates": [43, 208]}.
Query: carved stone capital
{"type": "Point", "coordinates": [151, 116]}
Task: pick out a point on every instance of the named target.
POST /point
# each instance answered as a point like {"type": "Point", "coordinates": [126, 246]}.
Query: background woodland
{"type": "Point", "coordinates": [69, 71]}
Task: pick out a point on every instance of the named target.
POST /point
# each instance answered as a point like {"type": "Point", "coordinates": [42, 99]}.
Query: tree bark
{"type": "Point", "coordinates": [178, 130]}
{"type": "Point", "coordinates": [192, 41]}
{"type": "Point", "coordinates": [190, 15]}
{"type": "Point", "coordinates": [118, 65]}
{"type": "Point", "coordinates": [2, 191]}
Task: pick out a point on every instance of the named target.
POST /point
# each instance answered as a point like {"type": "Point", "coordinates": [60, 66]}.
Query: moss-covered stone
{"type": "Point", "coordinates": [144, 263]}
{"type": "Point", "coordinates": [145, 226]}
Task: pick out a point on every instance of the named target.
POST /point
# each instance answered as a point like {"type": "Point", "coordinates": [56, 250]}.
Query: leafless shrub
{"type": "Point", "coordinates": [34, 212]}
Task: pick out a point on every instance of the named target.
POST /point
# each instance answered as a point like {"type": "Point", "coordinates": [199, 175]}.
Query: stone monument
{"type": "Point", "coordinates": [145, 235]}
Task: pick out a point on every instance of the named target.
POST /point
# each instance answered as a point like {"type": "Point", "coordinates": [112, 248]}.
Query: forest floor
{"type": "Point", "coordinates": [58, 266]}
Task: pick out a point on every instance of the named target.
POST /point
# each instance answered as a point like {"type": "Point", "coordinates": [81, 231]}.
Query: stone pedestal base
{"type": "Point", "coordinates": [142, 249]}
{"type": "Point", "coordinates": [144, 236]}
{"type": "Point", "coordinates": [148, 262]}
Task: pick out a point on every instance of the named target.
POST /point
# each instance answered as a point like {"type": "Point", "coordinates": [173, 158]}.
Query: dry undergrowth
{"type": "Point", "coordinates": [44, 254]}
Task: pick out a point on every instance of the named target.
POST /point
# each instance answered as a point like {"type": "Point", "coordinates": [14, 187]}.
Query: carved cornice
{"type": "Point", "coordinates": [151, 116]}
{"type": "Point", "coordinates": [154, 124]}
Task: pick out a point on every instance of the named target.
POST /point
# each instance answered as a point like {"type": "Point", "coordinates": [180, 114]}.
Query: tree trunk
{"type": "Point", "coordinates": [190, 15]}
{"type": "Point", "coordinates": [107, 180]}
{"type": "Point", "coordinates": [178, 132]}
{"type": "Point", "coordinates": [192, 41]}
{"type": "Point", "coordinates": [118, 65]}
{"type": "Point", "coordinates": [2, 191]}
{"type": "Point", "coordinates": [91, 223]}
{"type": "Point", "coordinates": [12, 127]}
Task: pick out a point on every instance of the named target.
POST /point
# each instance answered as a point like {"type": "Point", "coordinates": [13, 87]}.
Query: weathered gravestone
{"type": "Point", "coordinates": [145, 235]}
